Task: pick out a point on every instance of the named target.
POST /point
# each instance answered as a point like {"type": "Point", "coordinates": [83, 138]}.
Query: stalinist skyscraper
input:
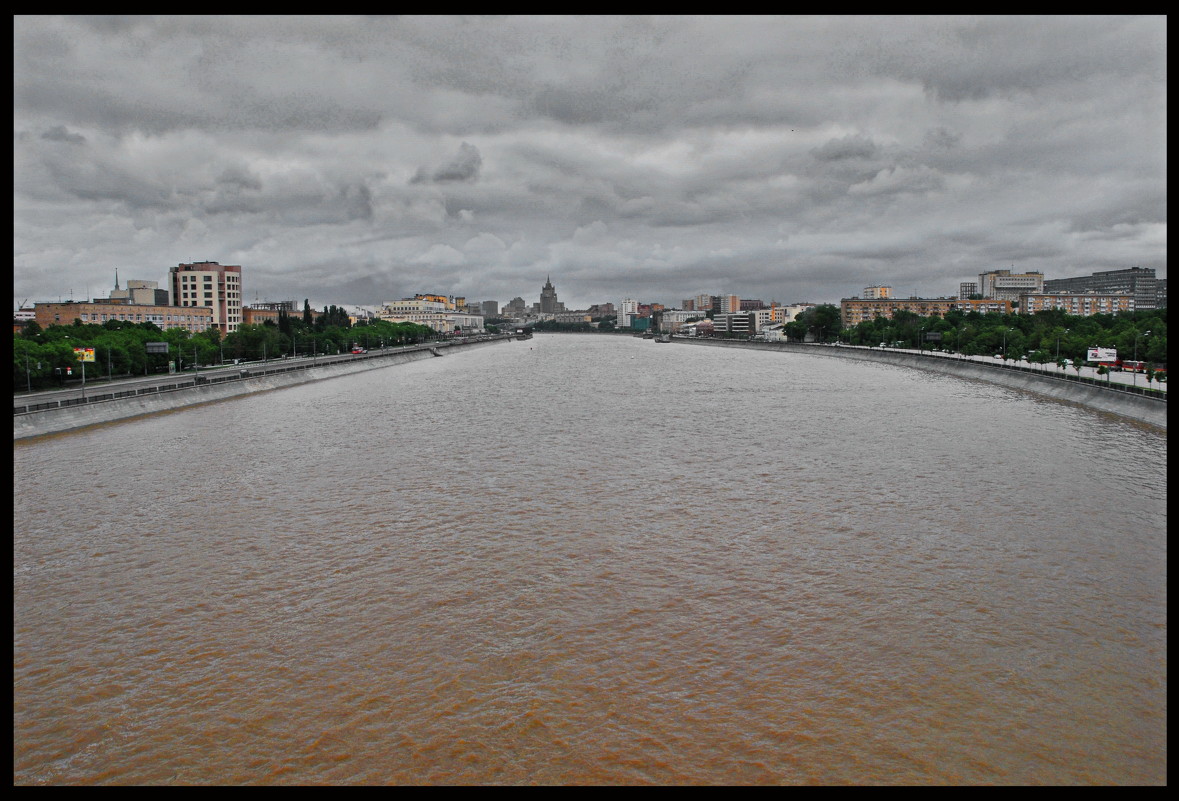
{"type": "Point", "coordinates": [548, 298]}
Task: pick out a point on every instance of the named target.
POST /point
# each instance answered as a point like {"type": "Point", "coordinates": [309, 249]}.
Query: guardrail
{"type": "Point", "coordinates": [201, 380]}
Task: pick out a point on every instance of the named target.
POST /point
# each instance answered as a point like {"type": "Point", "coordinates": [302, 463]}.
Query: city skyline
{"type": "Point", "coordinates": [353, 161]}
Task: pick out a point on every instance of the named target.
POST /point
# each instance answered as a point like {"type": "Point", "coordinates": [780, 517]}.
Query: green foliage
{"type": "Point", "coordinates": [1047, 333]}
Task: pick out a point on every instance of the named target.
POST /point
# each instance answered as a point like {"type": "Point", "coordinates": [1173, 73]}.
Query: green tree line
{"type": "Point", "coordinates": [42, 357]}
{"type": "Point", "coordinates": [1043, 337]}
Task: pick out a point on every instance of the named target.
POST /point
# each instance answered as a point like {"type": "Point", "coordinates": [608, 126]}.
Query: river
{"type": "Point", "coordinates": [596, 560]}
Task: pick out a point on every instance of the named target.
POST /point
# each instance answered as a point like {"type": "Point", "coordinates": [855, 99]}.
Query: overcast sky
{"type": "Point", "coordinates": [354, 160]}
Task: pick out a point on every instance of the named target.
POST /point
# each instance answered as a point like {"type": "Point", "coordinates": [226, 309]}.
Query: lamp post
{"type": "Point", "coordinates": [1136, 336]}
{"type": "Point", "coordinates": [1058, 336]}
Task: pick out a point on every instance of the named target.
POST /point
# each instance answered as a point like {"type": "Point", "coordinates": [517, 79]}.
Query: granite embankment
{"type": "Point", "coordinates": [1142, 408]}
{"type": "Point", "coordinates": [274, 375]}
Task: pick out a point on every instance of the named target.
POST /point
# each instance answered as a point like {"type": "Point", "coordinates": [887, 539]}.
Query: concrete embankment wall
{"type": "Point", "coordinates": [53, 421]}
{"type": "Point", "coordinates": [1152, 411]}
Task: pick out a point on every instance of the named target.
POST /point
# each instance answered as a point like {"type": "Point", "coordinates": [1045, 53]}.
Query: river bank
{"type": "Point", "coordinates": [1141, 408]}
{"type": "Point", "coordinates": [185, 393]}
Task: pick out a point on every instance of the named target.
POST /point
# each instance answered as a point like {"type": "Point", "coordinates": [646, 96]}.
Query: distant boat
{"type": "Point", "coordinates": [663, 338]}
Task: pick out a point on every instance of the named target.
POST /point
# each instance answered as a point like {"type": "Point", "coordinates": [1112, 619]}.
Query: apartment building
{"type": "Point", "coordinates": [1140, 282]}
{"type": "Point", "coordinates": [209, 285]}
{"type": "Point", "coordinates": [1078, 304]}
{"type": "Point", "coordinates": [854, 311]}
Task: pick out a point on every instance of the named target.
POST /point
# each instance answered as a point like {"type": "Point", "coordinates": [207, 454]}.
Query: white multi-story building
{"type": "Point", "coordinates": [437, 314]}
{"type": "Point", "coordinates": [627, 311]}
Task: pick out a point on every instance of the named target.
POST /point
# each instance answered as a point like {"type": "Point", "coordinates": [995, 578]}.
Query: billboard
{"type": "Point", "coordinates": [85, 354]}
{"type": "Point", "coordinates": [1103, 354]}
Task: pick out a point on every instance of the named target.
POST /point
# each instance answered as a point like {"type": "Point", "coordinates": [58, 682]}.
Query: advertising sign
{"type": "Point", "coordinates": [85, 354]}
{"type": "Point", "coordinates": [1103, 354]}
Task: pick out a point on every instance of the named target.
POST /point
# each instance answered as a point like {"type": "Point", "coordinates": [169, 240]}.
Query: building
{"type": "Point", "coordinates": [139, 293]}
{"type": "Point", "coordinates": [854, 311]}
{"type": "Point", "coordinates": [1137, 281]}
{"type": "Point", "coordinates": [432, 311]}
{"type": "Point", "coordinates": [489, 308]}
{"type": "Point", "coordinates": [1078, 304]}
{"type": "Point", "coordinates": [877, 292]}
{"type": "Point", "coordinates": [194, 320]}
{"type": "Point", "coordinates": [1006, 285]}
{"type": "Point", "coordinates": [548, 298]}
{"type": "Point", "coordinates": [514, 307]}
{"type": "Point", "coordinates": [207, 284]}
{"type": "Point", "coordinates": [966, 289]}
{"type": "Point", "coordinates": [628, 310]}
{"type": "Point", "coordinates": [739, 324]}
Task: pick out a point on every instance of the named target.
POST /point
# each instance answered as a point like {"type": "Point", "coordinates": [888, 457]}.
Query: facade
{"type": "Point", "coordinates": [209, 285]}
{"type": "Point", "coordinates": [877, 292]}
{"type": "Point", "coordinates": [1137, 281]}
{"type": "Point", "coordinates": [672, 320]}
{"type": "Point", "coordinates": [854, 311]}
{"type": "Point", "coordinates": [628, 309]}
{"type": "Point", "coordinates": [434, 313]}
{"type": "Point", "coordinates": [252, 315]}
{"type": "Point", "coordinates": [1078, 304]}
{"type": "Point", "coordinates": [734, 324]}
{"type": "Point", "coordinates": [195, 320]}
{"type": "Point", "coordinates": [572, 317]}
{"type": "Point", "coordinates": [548, 299]}
{"type": "Point", "coordinates": [1006, 285]}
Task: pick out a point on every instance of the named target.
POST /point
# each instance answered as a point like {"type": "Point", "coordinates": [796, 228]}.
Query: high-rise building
{"type": "Point", "coordinates": [627, 310]}
{"type": "Point", "coordinates": [490, 308]}
{"type": "Point", "coordinates": [208, 284]}
{"type": "Point", "coordinates": [877, 292]}
{"type": "Point", "coordinates": [548, 298]}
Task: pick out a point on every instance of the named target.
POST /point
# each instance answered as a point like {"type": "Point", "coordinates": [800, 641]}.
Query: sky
{"type": "Point", "coordinates": [354, 160]}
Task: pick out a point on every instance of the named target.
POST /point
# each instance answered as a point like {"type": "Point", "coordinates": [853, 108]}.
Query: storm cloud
{"type": "Point", "coordinates": [352, 160]}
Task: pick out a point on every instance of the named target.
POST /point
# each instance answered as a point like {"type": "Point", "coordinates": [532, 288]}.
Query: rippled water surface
{"type": "Point", "coordinates": [586, 559]}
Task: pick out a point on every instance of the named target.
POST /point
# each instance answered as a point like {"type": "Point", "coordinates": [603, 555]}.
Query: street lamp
{"type": "Point", "coordinates": [1058, 336]}
{"type": "Point", "coordinates": [1136, 336]}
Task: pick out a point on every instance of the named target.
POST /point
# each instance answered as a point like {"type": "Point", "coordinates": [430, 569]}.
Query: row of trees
{"type": "Point", "coordinates": [44, 358]}
{"type": "Point", "coordinates": [1046, 336]}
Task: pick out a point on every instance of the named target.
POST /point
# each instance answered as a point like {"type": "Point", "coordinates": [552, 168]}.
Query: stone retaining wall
{"type": "Point", "coordinates": [1152, 411]}
{"type": "Point", "coordinates": [53, 421]}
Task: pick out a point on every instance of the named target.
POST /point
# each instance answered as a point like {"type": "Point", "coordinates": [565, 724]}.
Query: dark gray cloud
{"type": "Point", "coordinates": [792, 158]}
{"type": "Point", "coordinates": [463, 167]}
{"type": "Point", "coordinates": [59, 133]}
